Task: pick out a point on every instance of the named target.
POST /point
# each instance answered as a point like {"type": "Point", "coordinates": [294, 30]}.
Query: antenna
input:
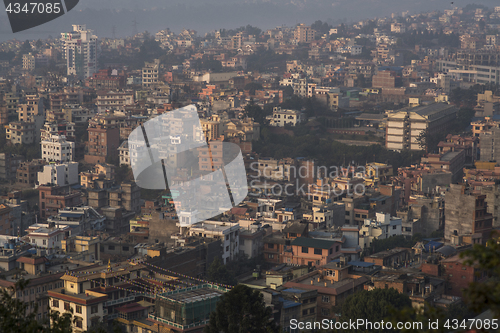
{"type": "Point", "coordinates": [134, 27]}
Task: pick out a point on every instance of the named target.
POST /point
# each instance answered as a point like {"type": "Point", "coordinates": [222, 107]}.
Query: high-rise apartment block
{"type": "Point", "coordinates": [304, 33]}
{"type": "Point", "coordinates": [80, 48]}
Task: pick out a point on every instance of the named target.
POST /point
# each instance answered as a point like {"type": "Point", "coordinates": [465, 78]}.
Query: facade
{"type": "Point", "coordinates": [57, 149]}
{"type": "Point", "coordinates": [52, 198]}
{"type": "Point", "coordinates": [304, 33]}
{"type": "Point", "coordinates": [80, 49]}
{"type": "Point", "coordinates": [282, 117]}
{"type": "Point", "coordinates": [150, 74]}
{"type": "Point", "coordinates": [27, 173]}
{"type": "Point", "coordinates": [114, 100]}
{"type": "Point", "coordinates": [104, 139]}
{"type": "Point", "coordinates": [28, 62]}
{"type": "Point", "coordinates": [59, 174]}
{"type": "Point", "coordinates": [490, 151]}
{"type": "Point", "coordinates": [466, 218]}
{"type": "Point", "coordinates": [404, 127]}
{"type": "Point", "coordinates": [227, 232]}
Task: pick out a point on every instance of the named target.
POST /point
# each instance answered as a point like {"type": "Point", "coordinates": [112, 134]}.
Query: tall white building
{"type": "Point", "coordinates": [59, 174]}
{"type": "Point", "coordinates": [57, 149]}
{"type": "Point", "coordinates": [80, 49]}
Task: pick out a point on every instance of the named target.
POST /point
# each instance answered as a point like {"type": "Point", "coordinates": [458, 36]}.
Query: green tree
{"type": "Point", "coordinates": [242, 309]}
{"type": "Point", "coordinates": [252, 86]}
{"type": "Point", "coordinates": [374, 305]}
{"type": "Point", "coordinates": [485, 295]}
{"type": "Point", "coordinates": [219, 273]}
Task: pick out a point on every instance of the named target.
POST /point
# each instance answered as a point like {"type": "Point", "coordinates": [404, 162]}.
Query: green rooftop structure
{"type": "Point", "coordinates": [187, 308]}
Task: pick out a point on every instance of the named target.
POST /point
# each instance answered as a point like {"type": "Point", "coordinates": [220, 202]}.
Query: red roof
{"type": "Point", "coordinates": [32, 260]}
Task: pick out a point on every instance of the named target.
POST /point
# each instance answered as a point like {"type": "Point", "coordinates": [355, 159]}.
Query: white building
{"type": "Point", "coordinates": [114, 100]}
{"type": "Point", "coordinates": [59, 174]}
{"type": "Point", "coordinates": [227, 232]}
{"type": "Point", "coordinates": [80, 49]}
{"type": "Point", "coordinates": [383, 227]}
{"type": "Point", "coordinates": [124, 153]}
{"type": "Point", "coordinates": [150, 73]}
{"type": "Point", "coordinates": [282, 117]}
{"type": "Point", "coordinates": [46, 236]}
{"type": "Point", "coordinates": [57, 149]}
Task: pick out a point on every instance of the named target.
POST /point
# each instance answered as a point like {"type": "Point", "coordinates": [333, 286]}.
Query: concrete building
{"type": "Point", "coordinates": [27, 173]}
{"type": "Point", "coordinates": [104, 139]}
{"type": "Point", "coordinates": [114, 100]}
{"type": "Point", "coordinates": [150, 73]}
{"type": "Point", "coordinates": [490, 150]}
{"type": "Point", "coordinates": [282, 117]}
{"type": "Point", "coordinates": [383, 227]}
{"type": "Point", "coordinates": [80, 49]}
{"type": "Point", "coordinates": [82, 220]}
{"type": "Point", "coordinates": [404, 127]}
{"type": "Point", "coordinates": [466, 218]}
{"type": "Point", "coordinates": [28, 62]}
{"type": "Point", "coordinates": [46, 236]}
{"type": "Point", "coordinates": [59, 174]}
{"type": "Point", "coordinates": [227, 232]}
{"type": "Point", "coordinates": [8, 165]}
{"type": "Point", "coordinates": [304, 33]}
{"type": "Point", "coordinates": [52, 198]}
{"type": "Point", "coordinates": [57, 149]}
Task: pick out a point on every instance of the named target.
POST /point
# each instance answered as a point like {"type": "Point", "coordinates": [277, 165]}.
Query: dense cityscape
{"type": "Point", "coordinates": [300, 178]}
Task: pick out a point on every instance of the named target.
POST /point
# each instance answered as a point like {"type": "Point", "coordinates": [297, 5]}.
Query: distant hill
{"type": "Point", "coordinates": [207, 15]}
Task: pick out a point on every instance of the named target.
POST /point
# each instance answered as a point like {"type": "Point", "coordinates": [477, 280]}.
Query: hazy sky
{"type": "Point", "coordinates": [208, 15]}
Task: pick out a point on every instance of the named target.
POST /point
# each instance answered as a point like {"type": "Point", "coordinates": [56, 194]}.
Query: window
{"type": "Point", "coordinates": [304, 312]}
{"type": "Point", "coordinates": [270, 256]}
{"type": "Point", "coordinates": [78, 322]}
{"type": "Point", "coordinates": [394, 227]}
{"type": "Point", "coordinates": [305, 249]}
{"type": "Point", "coordinates": [311, 310]}
{"type": "Point", "coordinates": [270, 246]}
{"type": "Point", "coordinates": [111, 247]}
{"type": "Point", "coordinates": [78, 309]}
{"type": "Point", "coordinates": [325, 299]}
{"type": "Point", "coordinates": [325, 312]}
{"type": "Point", "coordinates": [67, 306]}
{"type": "Point", "coordinates": [55, 303]}
{"type": "Point", "coordinates": [125, 248]}
{"type": "Point", "coordinates": [318, 251]}
{"type": "Point", "coordinates": [94, 309]}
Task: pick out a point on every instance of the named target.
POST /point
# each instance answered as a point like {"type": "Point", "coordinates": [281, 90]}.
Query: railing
{"type": "Point", "coordinates": [171, 323]}
{"type": "Point", "coordinates": [120, 300]}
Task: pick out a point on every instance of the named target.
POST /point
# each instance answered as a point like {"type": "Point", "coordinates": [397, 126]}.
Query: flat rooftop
{"type": "Point", "coordinates": [194, 295]}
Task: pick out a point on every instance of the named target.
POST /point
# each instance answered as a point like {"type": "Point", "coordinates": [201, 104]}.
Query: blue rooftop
{"type": "Point", "coordinates": [288, 304]}
{"type": "Point", "coordinates": [294, 291]}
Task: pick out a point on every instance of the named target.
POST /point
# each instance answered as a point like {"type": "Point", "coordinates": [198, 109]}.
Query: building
{"type": "Point", "coordinates": [107, 79]}
{"type": "Point", "coordinates": [81, 220]}
{"type": "Point", "coordinates": [52, 198]}
{"type": "Point", "coordinates": [404, 127]}
{"type": "Point", "coordinates": [114, 100]}
{"type": "Point", "coordinates": [47, 236]}
{"type": "Point", "coordinates": [390, 258]}
{"type": "Point", "coordinates": [28, 62]}
{"type": "Point", "coordinates": [312, 252]}
{"type": "Point", "coordinates": [57, 149]}
{"type": "Point", "coordinates": [227, 232]}
{"type": "Point", "coordinates": [104, 139]}
{"type": "Point", "coordinates": [187, 309]}
{"type": "Point", "coordinates": [59, 174]}
{"type": "Point", "coordinates": [490, 152]}
{"type": "Point", "coordinates": [383, 227]}
{"type": "Point", "coordinates": [8, 165]}
{"type": "Point", "coordinates": [150, 73]}
{"type": "Point", "coordinates": [27, 173]}
{"type": "Point", "coordinates": [80, 49]}
{"type": "Point", "coordinates": [304, 33]}
{"type": "Point", "coordinates": [459, 275]}
{"type": "Point", "coordinates": [466, 218]}
{"type": "Point", "coordinates": [282, 117]}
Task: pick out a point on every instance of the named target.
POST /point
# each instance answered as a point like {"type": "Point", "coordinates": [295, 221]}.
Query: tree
{"type": "Point", "coordinates": [241, 310]}
{"type": "Point", "coordinates": [252, 86]}
{"type": "Point", "coordinates": [218, 273]}
{"type": "Point", "coordinates": [485, 294]}
{"type": "Point", "coordinates": [374, 305]}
